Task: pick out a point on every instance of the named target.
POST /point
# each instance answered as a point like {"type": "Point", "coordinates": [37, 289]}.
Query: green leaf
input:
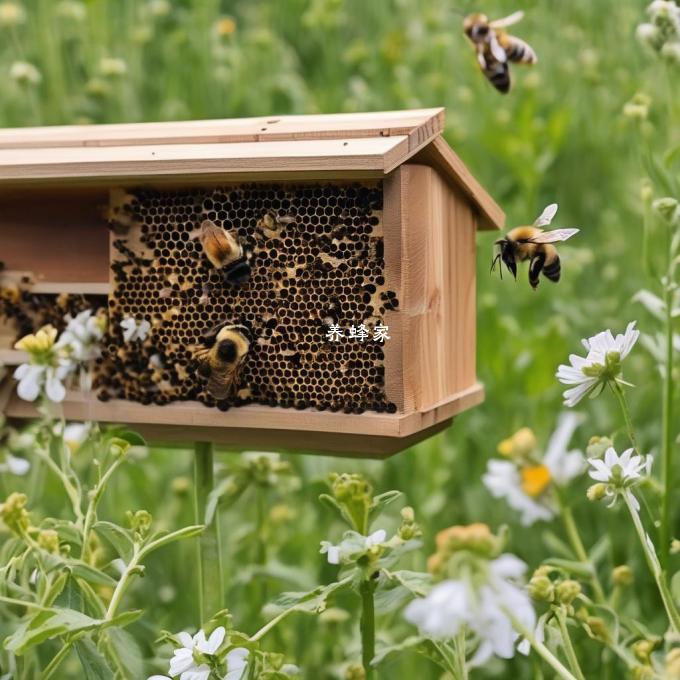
{"type": "Point", "coordinates": [93, 663]}
{"type": "Point", "coordinates": [66, 529]}
{"type": "Point", "coordinates": [161, 540]}
{"type": "Point", "coordinates": [414, 643]}
{"type": "Point", "coordinates": [118, 537]}
{"type": "Point", "coordinates": [129, 436]}
{"type": "Point", "coordinates": [124, 653]}
{"type": "Point", "coordinates": [311, 602]}
{"type": "Point", "coordinates": [57, 622]}
{"type": "Point", "coordinates": [78, 568]}
{"type": "Point", "coordinates": [397, 587]}
{"type": "Point", "coordinates": [231, 488]}
{"type": "Point", "coordinates": [570, 566]}
{"type": "Point", "coordinates": [380, 502]}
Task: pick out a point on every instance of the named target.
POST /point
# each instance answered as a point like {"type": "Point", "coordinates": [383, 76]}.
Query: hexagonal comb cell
{"type": "Point", "coordinates": [316, 259]}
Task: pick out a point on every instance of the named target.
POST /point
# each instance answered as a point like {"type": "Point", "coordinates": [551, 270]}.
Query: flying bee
{"type": "Point", "coordinates": [221, 358]}
{"type": "Point", "coordinates": [533, 244]}
{"type": "Point", "coordinates": [495, 48]}
{"type": "Point", "coordinates": [225, 253]}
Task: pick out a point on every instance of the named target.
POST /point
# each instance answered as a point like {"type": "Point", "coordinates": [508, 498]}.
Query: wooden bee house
{"type": "Point", "coordinates": [356, 220]}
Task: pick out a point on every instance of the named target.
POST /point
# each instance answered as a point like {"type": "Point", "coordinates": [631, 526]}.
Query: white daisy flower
{"type": "Point", "coordinates": [183, 662]}
{"type": "Point", "coordinates": [620, 473]}
{"type": "Point", "coordinates": [134, 330]}
{"type": "Point", "coordinates": [352, 546]}
{"type": "Point", "coordinates": [601, 365]}
{"type": "Point", "coordinates": [525, 486]}
{"type": "Point", "coordinates": [483, 608]}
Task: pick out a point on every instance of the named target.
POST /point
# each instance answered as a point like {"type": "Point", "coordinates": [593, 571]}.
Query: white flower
{"type": "Point", "coordinates": [14, 465]}
{"type": "Point", "coordinates": [485, 609]}
{"type": "Point", "coordinates": [33, 378]}
{"type": "Point", "coordinates": [134, 330]}
{"type": "Point", "coordinates": [623, 469]}
{"type": "Point", "coordinates": [82, 335]}
{"type": "Point", "coordinates": [75, 435]}
{"type": "Point", "coordinates": [524, 486]}
{"type": "Point", "coordinates": [601, 365]}
{"type": "Point", "coordinates": [237, 663]}
{"type": "Point", "coordinates": [619, 473]}
{"type": "Point", "coordinates": [649, 34]}
{"type": "Point", "coordinates": [352, 546]}
{"type": "Point", "coordinates": [112, 67]}
{"type": "Point", "coordinates": [183, 662]}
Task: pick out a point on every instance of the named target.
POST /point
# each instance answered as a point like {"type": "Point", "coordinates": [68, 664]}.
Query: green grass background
{"type": "Point", "coordinates": [559, 136]}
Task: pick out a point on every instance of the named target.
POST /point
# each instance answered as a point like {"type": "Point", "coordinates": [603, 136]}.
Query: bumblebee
{"type": "Point", "coordinates": [225, 253]}
{"type": "Point", "coordinates": [221, 358]}
{"type": "Point", "coordinates": [533, 244]}
{"type": "Point", "coordinates": [495, 48]}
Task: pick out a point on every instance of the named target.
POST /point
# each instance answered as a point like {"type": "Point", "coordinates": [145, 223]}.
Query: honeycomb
{"type": "Point", "coordinates": [316, 256]}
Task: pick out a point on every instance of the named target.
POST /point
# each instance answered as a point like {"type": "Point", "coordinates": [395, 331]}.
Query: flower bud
{"type": "Point", "coordinates": [596, 492]}
{"type": "Point", "coordinates": [673, 664]}
{"type": "Point", "coordinates": [14, 514]}
{"type": "Point", "coordinates": [675, 546]}
{"type": "Point", "coordinates": [643, 649]}
{"type": "Point", "coordinates": [48, 539]}
{"type": "Point", "coordinates": [519, 445]}
{"type": "Point", "coordinates": [598, 628]}
{"type": "Point", "coordinates": [622, 575]}
{"type": "Point", "coordinates": [541, 588]}
{"type": "Point", "coordinates": [408, 515]}
{"type": "Point", "coordinates": [139, 521]}
{"type": "Point", "coordinates": [282, 513]}
{"type": "Point", "coordinates": [597, 446]}
{"type": "Point", "coordinates": [638, 107]}
{"type": "Point", "coordinates": [646, 191]}
{"type": "Point", "coordinates": [475, 537]}
{"type": "Point", "coordinates": [181, 486]}
{"type": "Point", "coordinates": [567, 591]}
{"type": "Point", "coordinates": [355, 671]}
{"type": "Point", "coordinates": [12, 14]}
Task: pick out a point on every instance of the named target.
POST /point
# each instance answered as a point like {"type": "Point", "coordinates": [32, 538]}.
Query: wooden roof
{"type": "Point", "coordinates": [354, 144]}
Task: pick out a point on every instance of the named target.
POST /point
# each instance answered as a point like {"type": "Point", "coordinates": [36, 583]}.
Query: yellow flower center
{"type": "Point", "coordinates": [535, 480]}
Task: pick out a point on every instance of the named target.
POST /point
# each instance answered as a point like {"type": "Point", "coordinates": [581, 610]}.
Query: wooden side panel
{"type": "Point", "coordinates": [437, 303]}
{"type": "Point", "coordinates": [55, 236]}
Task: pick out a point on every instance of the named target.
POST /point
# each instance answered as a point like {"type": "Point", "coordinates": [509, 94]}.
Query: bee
{"type": "Point", "coordinates": [533, 244]}
{"type": "Point", "coordinates": [225, 253]}
{"type": "Point", "coordinates": [495, 48]}
{"type": "Point", "coordinates": [271, 223]}
{"type": "Point", "coordinates": [221, 359]}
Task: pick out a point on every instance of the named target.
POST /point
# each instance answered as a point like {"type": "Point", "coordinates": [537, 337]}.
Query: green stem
{"type": "Point", "coordinates": [70, 490]}
{"type": "Point", "coordinates": [91, 512]}
{"type": "Point", "coordinates": [211, 586]}
{"type": "Point", "coordinates": [667, 433]}
{"type": "Point", "coordinates": [578, 547]}
{"type": "Point", "coordinates": [568, 646]}
{"type": "Point", "coordinates": [23, 603]}
{"type": "Point", "coordinates": [541, 649]}
{"type": "Point", "coordinates": [653, 564]}
{"type": "Point", "coordinates": [56, 661]}
{"type": "Point", "coordinates": [620, 395]}
{"type": "Point", "coordinates": [131, 570]}
{"type": "Point", "coordinates": [367, 626]}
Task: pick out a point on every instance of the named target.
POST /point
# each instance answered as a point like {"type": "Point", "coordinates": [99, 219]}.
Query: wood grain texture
{"type": "Point", "coordinates": [274, 428]}
{"type": "Point", "coordinates": [377, 153]}
{"type": "Point", "coordinates": [57, 236]}
{"type": "Point", "coordinates": [441, 156]}
{"type": "Point", "coordinates": [419, 125]}
{"type": "Point", "coordinates": [437, 301]}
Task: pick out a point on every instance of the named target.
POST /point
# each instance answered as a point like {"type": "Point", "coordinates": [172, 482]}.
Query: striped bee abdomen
{"type": "Point", "coordinates": [553, 269]}
{"type": "Point", "coordinates": [498, 75]}
{"type": "Point", "coordinates": [518, 51]}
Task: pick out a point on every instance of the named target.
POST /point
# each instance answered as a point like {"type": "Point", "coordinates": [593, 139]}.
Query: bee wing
{"type": "Point", "coordinates": [511, 19]}
{"type": "Point", "coordinates": [553, 236]}
{"type": "Point", "coordinates": [497, 50]}
{"type": "Point", "coordinates": [546, 217]}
